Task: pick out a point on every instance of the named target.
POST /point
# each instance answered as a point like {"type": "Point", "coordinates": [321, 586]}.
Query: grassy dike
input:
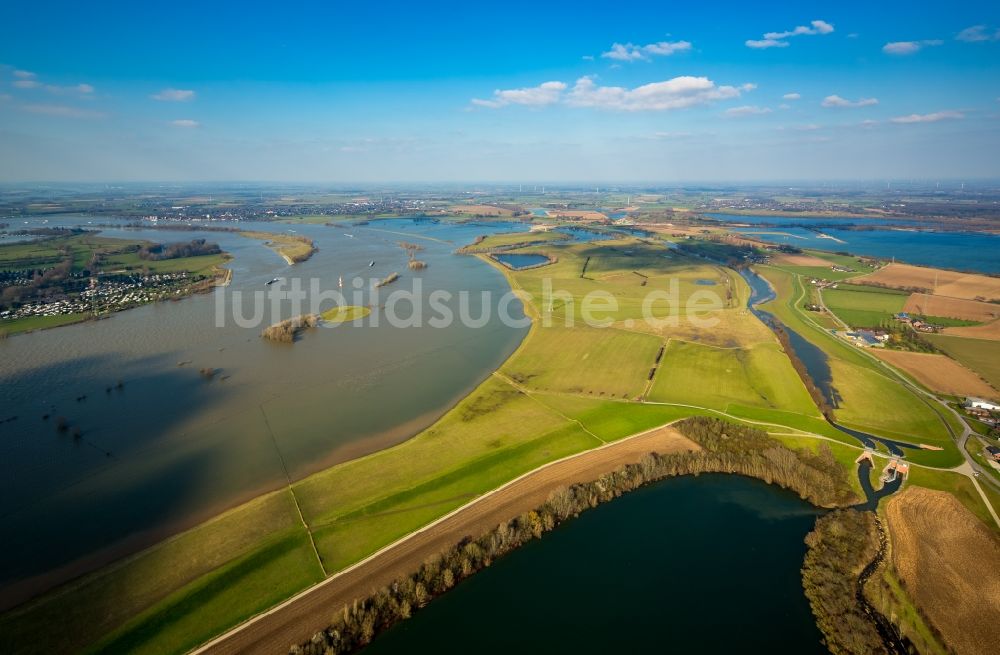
{"type": "Point", "coordinates": [565, 390]}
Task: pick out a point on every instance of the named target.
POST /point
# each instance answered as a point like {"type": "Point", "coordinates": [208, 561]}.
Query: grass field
{"type": "Point", "coordinates": [510, 239]}
{"type": "Point", "coordinates": [860, 306]}
{"type": "Point", "coordinates": [585, 360]}
{"type": "Point", "coordinates": [345, 313]}
{"type": "Point", "coordinates": [980, 355]}
{"type": "Point", "coordinates": [717, 377]}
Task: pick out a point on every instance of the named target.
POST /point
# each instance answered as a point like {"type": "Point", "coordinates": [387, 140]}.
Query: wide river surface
{"type": "Point", "coordinates": [963, 251]}
{"type": "Point", "coordinates": [172, 447]}
{"type": "Point", "coordinates": [706, 564]}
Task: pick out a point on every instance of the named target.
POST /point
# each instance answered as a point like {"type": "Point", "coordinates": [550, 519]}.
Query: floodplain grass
{"type": "Point", "coordinates": [97, 604]}
{"type": "Point", "coordinates": [717, 377]}
{"type": "Point", "coordinates": [195, 614]}
{"type": "Point", "coordinates": [585, 360]}
{"type": "Point", "coordinates": [14, 326]}
{"type": "Point", "coordinates": [291, 247]}
{"type": "Point", "coordinates": [345, 313]}
{"type": "Point", "coordinates": [511, 239]}
{"type": "Point", "coordinates": [613, 420]}
{"type": "Point", "coordinates": [343, 540]}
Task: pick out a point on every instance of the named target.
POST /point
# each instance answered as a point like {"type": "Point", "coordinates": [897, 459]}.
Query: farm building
{"type": "Point", "coordinates": [993, 453]}
{"type": "Point", "coordinates": [979, 403]}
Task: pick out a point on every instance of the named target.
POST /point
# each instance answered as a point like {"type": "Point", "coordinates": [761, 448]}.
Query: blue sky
{"type": "Point", "coordinates": [399, 92]}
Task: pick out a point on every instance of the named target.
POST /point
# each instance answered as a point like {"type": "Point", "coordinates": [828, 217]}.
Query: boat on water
{"type": "Point", "coordinates": [349, 236]}
{"type": "Point", "coordinates": [341, 281]}
{"type": "Point", "coordinates": [272, 281]}
{"type": "Point", "coordinates": [371, 263]}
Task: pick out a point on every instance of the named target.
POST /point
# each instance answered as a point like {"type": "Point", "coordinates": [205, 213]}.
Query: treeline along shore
{"type": "Point", "coordinates": [725, 448]}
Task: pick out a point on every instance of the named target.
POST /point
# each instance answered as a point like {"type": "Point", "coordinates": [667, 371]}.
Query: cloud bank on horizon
{"type": "Point", "coordinates": [706, 93]}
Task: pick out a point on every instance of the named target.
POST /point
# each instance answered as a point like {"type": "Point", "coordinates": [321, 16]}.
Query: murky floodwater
{"type": "Point", "coordinates": [171, 446]}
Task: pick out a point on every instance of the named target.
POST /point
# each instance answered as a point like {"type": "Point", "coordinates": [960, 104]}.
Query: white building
{"type": "Point", "coordinates": [979, 403]}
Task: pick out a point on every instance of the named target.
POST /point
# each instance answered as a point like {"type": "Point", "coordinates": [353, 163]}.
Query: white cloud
{"type": "Point", "coordinates": [632, 52]}
{"type": "Point", "coordinates": [909, 47]}
{"type": "Point", "coordinates": [185, 122]}
{"type": "Point", "coordinates": [174, 95]}
{"type": "Point", "coordinates": [546, 93]}
{"type": "Point", "coordinates": [766, 43]}
{"type": "Point", "coordinates": [28, 80]}
{"type": "Point", "coordinates": [977, 33]}
{"type": "Point", "coordinates": [747, 110]}
{"type": "Point", "coordinates": [837, 101]}
{"type": "Point", "coordinates": [777, 39]}
{"type": "Point", "coordinates": [929, 118]}
{"type": "Point", "coordinates": [792, 96]}
{"type": "Point", "coordinates": [61, 110]}
{"type": "Point", "coordinates": [811, 127]}
{"type": "Point", "coordinates": [676, 93]}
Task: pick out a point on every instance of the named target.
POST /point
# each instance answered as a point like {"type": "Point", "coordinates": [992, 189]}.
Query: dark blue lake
{"type": "Point", "coordinates": [967, 251]}
{"type": "Point", "coordinates": [706, 564]}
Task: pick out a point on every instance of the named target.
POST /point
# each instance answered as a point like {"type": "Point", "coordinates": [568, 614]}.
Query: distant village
{"type": "Point", "coordinates": [103, 295]}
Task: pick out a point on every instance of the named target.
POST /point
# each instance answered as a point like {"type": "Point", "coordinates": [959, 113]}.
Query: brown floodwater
{"type": "Point", "coordinates": [172, 446]}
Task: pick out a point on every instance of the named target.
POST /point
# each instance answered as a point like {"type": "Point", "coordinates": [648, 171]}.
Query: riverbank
{"type": "Point", "coordinates": [293, 249]}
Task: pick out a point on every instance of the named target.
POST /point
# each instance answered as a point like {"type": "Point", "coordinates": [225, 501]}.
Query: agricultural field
{"type": "Point", "coordinates": [980, 355]}
{"type": "Point", "coordinates": [481, 210]}
{"type": "Point", "coordinates": [939, 282]}
{"type": "Point", "coordinates": [938, 373]}
{"type": "Point", "coordinates": [989, 331]}
{"type": "Point", "coordinates": [817, 264]}
{"type": "Point", "coordinates": [925, 304]}
{"type": "Point", "coordinates": [950, 564]}
{"type": "Point", "coordinates": [860, 306]}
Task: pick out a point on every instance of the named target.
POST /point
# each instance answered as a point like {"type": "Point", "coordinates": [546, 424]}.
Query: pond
{"type": "Point", "coordinates": [706, 564]}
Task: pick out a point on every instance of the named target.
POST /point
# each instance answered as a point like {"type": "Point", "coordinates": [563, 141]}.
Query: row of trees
{"type": "Point", "coordinates": [194, 248]}
{"type": "Point", "coordinates": [726, 448]}
{"type": "Point", "coordinates": [842, 544]}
